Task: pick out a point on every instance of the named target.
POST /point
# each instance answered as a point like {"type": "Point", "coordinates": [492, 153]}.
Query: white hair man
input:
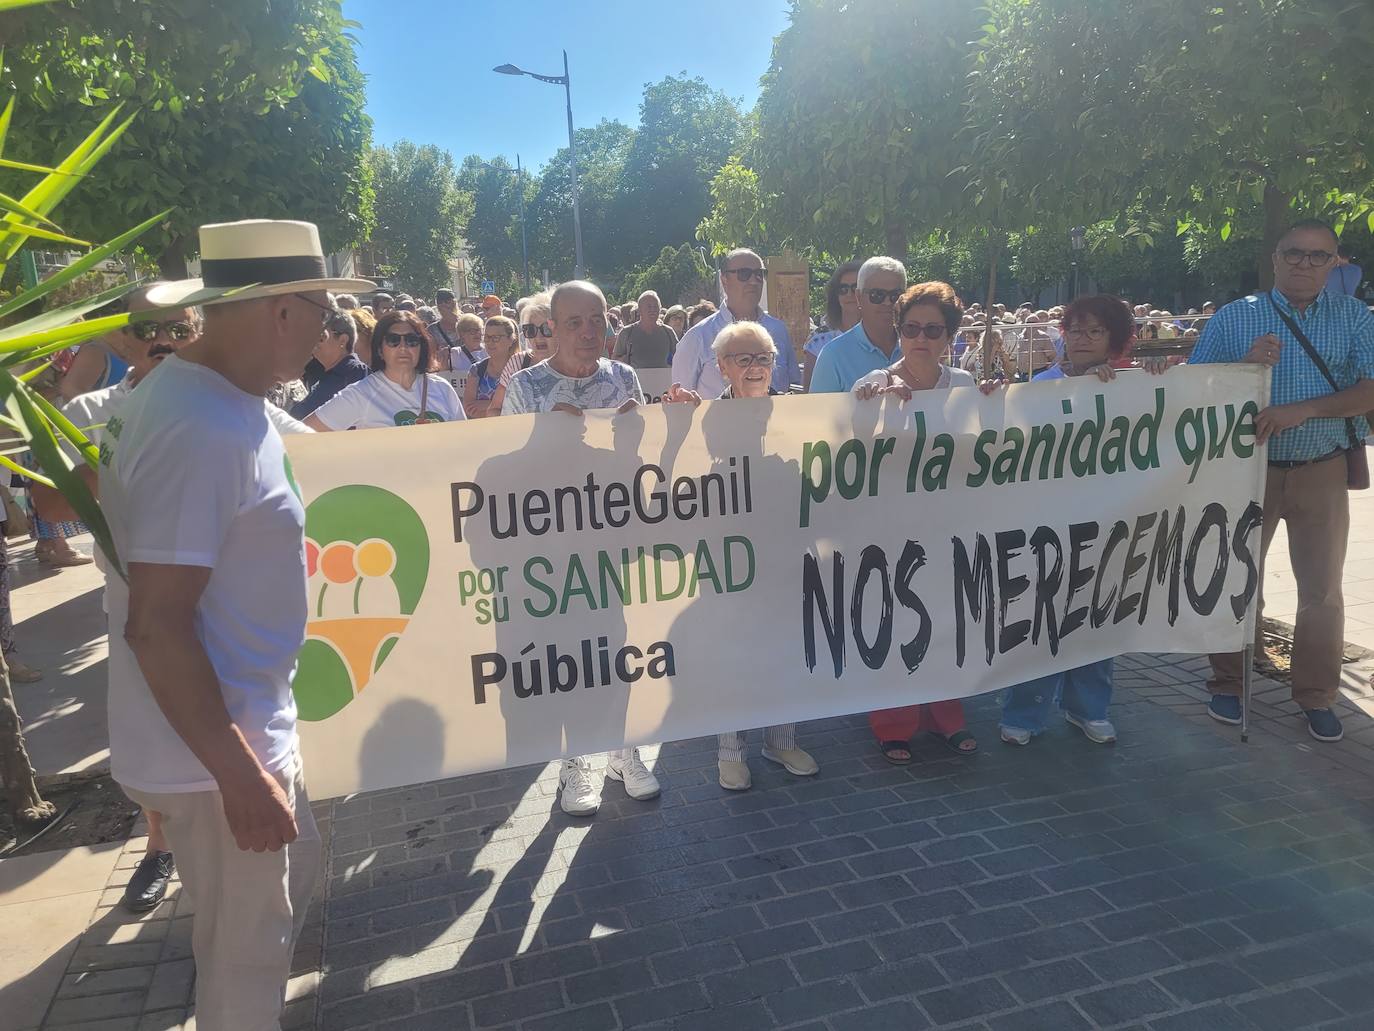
{"type": "Point", "coordinates": [742, 275]}
{"type": "Point", "coordinates": [196, 487]}
{"type": "Point", "coordinates": [579, 377]}
{"type": "Point", "coordinates": [871, 344]}
{"type": "Point", "coordinates": [647, 344]}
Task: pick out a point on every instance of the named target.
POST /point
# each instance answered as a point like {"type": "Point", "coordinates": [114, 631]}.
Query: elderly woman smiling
{"type": "Point", "coordinates": [746, 355]}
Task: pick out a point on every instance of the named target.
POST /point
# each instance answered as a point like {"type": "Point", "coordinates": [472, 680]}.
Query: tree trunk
{"type": "Point", "coordinates": [16, 772]}
{"type": "Point", "coordinates": [895, 235]}
{"type": "Point", "coordinates": [1277, 213]}
{"type": "Point", "coordinates": [994, 259]}
{"type": "Point", "coordinates": [172, 261]}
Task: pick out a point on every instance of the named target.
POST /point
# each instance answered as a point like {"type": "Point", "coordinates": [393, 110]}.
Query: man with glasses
{"type": "Point", "coordinates": [872, 344]}
{"type": "Point", "coordinates": [195, 484]}
{"type": "Point", "coordinates": [1309, 426]}
{"type": "Point", "coordinates": [742, 276]}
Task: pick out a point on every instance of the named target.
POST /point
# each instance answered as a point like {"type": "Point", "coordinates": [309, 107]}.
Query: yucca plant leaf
{"type": "Point", "coordinates": [36, 417]}
{"type": "Point", "coordinates": [68, 313]}
{"type": "Point", "coordinates": [22, 357]}
{"type": "Point", "coordinates": [68, 429]}
{"type": "Point", "coordinates": [34, 373]}
{"type": "Point", "coordinates": [14, 5]}
{"type": "Point", "coordinates": [44, 234]}
{"type": "Point", "coordinates": [28, 474]}
{"type": "Point", "coordinates": [6, 115]}
{"type": "Point", "coordinates": [10, 204]}
{"type": "Point", "coordinates": [79, 267]}
{"type": "Point", "coordinates": [24, 166]}
{"type": "Point", "coordinates": [12, 342]}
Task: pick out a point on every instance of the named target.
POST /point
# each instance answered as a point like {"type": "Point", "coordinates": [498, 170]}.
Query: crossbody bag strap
{"type": "Point", "coordinates": [424, 398]}
{"type": "Point", "coordinates": [1317, 360]}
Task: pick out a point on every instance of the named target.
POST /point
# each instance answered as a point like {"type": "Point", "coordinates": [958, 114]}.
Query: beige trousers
{"type": "Point", "coordinates": [1313, 502]}
{"type": "Point", "coordinates": [249, 906]}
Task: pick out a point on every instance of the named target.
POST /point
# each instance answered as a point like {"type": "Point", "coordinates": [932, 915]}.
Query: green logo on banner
{"type": "Point", "coordinates": [367, 557]}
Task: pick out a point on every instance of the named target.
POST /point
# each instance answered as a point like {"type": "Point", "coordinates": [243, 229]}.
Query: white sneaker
{"type": "Point", "coordinates": [640, 784]}
{"type": "Point", "coordinates": [1015, 735]}
{"type": "Point", "coordinates": [575, 792]}
{"type": "Point", "coordinates": [1099, 731]}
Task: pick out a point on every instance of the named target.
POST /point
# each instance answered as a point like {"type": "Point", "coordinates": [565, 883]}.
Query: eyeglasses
{"type": "Point", "coordinates": [497, 337]}
{"type": "Point", "coordinates": [846, 288]}
{"type": "Point", "coordinates": [1317, 259]}
{"type": "Point", "coordinates": [402, 340]}
{"type": "Point", "coordinates": [1094, 333]}
{"type": "Point", "coordinates": [744, 361]}
{"type": "Point", "coordinates": [147, 332]}
{"type": "Point", "coordinates": [327, 311]}
{"type": "Point", "coordinates": [531, 330]}
{"type": "Point", "coordinates": [883, 296]}
{"type": "Point", "coordinates": [746, 274]}
{"type": "Point", "coordinates": [931, 330]}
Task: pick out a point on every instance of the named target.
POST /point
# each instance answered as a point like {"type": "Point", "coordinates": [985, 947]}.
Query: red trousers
{"type": "Point", "coordinates": [943, 718]}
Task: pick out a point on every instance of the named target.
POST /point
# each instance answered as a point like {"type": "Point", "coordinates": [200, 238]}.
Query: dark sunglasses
{"type": "Point", "coordinates": [147, 332]}
{"type": "Point", "coordinates": [846, 288]}
{"type": "Point", "coordinates": [931, 330]}
{"type": "Point", "coordinates": [531, 330]}
{"type": "Point", "coordinates": [1317, 259]}
{"type": "Point", "coordinates": [883, 296]}
{"type": "Point", "coordinates": [402, 340]}
{"type": "Point", "coordinates": [746, 274]}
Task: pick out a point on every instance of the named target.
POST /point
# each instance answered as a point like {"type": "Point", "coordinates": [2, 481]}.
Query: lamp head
{"type": "Point", "coordinates": [507, 69]}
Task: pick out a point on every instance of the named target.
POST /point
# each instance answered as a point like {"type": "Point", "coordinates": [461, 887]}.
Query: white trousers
{"type": "Point", "coordinates": [249, 906]}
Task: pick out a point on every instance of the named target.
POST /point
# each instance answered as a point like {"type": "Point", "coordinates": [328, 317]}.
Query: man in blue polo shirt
{"type": "Point", "coordinates": [872, 344]}
{"type": "Point", "coordinates": [1309, 426]}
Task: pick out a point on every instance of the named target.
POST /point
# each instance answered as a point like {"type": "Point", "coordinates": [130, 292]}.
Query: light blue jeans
{"type": "Point", "coordinates": [1086, 692]}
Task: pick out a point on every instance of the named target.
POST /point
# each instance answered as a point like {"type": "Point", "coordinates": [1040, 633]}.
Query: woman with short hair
{"type": "Point", "coordinates": [500, 339]}
{"type": "Point", "coordinates": [700, 312]}
{"type": "Point", "coordinates": [401, 390]}
{"type": "Point", "coordinates": [536, 331]}
{"type": "Point", "coordinates": [927, 317]}
{"type": "Point", "coordinates": [339, 366]}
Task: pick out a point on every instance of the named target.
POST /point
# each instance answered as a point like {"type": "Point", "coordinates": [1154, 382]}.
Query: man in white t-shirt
{"type": "Point", "coordinates": [204, 513]}
{"type": "Point", "coordinates": [576, 379]}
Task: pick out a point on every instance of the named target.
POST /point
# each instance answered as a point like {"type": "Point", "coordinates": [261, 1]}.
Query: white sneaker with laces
{"type": "Point", "coordinates": [1099, 731]}
{"type": "Point", "coordinates": [575, 793]}
{"type": "Point", "coordinates": [640, 784]}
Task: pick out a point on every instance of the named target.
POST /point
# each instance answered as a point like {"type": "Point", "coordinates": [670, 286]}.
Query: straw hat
{"type": "Point", "coordinates": [259, 257]}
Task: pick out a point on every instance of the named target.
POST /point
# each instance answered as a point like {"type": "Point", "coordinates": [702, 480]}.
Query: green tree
{"type": "Point", "coordinates": [677, 275]}
{"type": "Point", "coordinates": [421, 212]}
{"type": "Point", "coordinates": [738, 213]}
{"type": "Point", "coordinates": [493, 230]}
{"type": "Point", "coordinates": [249, 109]}
{"type": "Point", "coordinates": [687, 131]}
{"type": "Point", "coordinates": [1204, 109]}
{"type": "Point", "coordinates": [859, 119]}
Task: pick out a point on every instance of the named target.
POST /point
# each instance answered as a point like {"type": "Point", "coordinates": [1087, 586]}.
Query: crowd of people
{"type": "Point", "coordinates": [196, 394]}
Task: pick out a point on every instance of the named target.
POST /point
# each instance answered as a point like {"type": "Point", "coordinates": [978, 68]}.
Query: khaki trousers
{"type": "Point", "coordinates": [1313, 501]}
{"type": "Point", "coordinates": [249, 906]}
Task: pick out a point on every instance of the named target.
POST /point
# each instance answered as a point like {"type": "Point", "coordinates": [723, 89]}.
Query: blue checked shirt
{"type": "Point", "coordinates": [1340, 328]}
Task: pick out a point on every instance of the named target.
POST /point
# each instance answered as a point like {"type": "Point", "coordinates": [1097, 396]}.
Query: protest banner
{"type": "Point", "coordinates": [654, 383]}
{"type": "Point", "coordinates": [562, 585]}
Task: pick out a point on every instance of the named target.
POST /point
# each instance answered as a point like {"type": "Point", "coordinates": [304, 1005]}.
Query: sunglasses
{"type": "Point", "coordinates": [882, 296]}
{"type": "Point", "coordinates": [531, 330]}
{"type": "Point", "coordinates": [1317, 259]}
{"type": "Point", "coordinates": [746, 274]}
{"type": "Point", "coordinates": [744, 361]}
{"type": "Point", "coordinates": [147, 332]}
{"type": "Point", "coordinates": [402, 340]}
{"type": "Point", "coordinates": [931, 330]}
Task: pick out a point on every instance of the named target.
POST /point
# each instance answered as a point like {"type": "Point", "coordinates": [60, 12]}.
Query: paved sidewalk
{"type": "Point", "coordinates": [1176, 880]}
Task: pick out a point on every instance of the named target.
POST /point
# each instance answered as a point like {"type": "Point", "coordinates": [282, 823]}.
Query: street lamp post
{"type": "Point", "coordinates": [565, 81]}
{"type": "Point", "coordinates": [520, 190]}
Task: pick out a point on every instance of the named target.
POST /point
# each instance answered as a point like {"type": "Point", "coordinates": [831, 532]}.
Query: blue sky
{"type": "Point", "coordinates": [429, 62]}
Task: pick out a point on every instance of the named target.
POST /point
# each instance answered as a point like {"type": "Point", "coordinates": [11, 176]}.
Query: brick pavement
{"type": "Point", "coordinates": [1179, 880]}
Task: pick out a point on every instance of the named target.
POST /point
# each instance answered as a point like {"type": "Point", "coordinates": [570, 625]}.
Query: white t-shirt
{"type": "Point", "coordinates": [540, 387]}
{"type": "Point", "coordinates": [376, 401]}
{"type": "Point", "coordinates": [194, 473]}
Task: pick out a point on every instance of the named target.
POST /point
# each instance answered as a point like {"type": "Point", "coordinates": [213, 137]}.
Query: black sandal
{"type": "Point", "coordinates": [889, 747]}
{"type": "Point", "coordinates": [958, 738]}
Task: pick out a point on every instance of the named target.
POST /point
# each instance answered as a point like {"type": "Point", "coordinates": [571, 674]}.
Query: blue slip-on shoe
{"type": "Point", "coordinates": [1324, 725]}
{"type": "Point", "coordinates": [1224, 708]}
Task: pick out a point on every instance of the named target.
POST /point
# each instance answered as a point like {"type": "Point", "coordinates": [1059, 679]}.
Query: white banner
{"type": "Point", "coordinates": [565, 585]}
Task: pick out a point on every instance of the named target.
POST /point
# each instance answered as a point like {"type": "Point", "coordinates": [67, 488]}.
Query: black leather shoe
{"type": "Point", "coordinates": [149, 883]}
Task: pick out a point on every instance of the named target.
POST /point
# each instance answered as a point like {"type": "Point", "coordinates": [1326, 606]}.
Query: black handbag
{"type": "Point", "coordinates": [1356, 457]}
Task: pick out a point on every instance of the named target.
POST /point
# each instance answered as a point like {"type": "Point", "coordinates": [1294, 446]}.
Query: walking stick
{"type": "Point", "coordinates": [1247, 685]}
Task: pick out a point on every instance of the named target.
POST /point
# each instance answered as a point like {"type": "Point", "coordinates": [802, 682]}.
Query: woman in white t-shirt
{"type": "Point", "coordinates": [401, 391]}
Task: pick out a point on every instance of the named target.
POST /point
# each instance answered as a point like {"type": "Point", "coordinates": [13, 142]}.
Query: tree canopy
{"type": "Point", "coordinates": [421, 212]}
{"type": "Point", "coordinates": [250, 109]}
